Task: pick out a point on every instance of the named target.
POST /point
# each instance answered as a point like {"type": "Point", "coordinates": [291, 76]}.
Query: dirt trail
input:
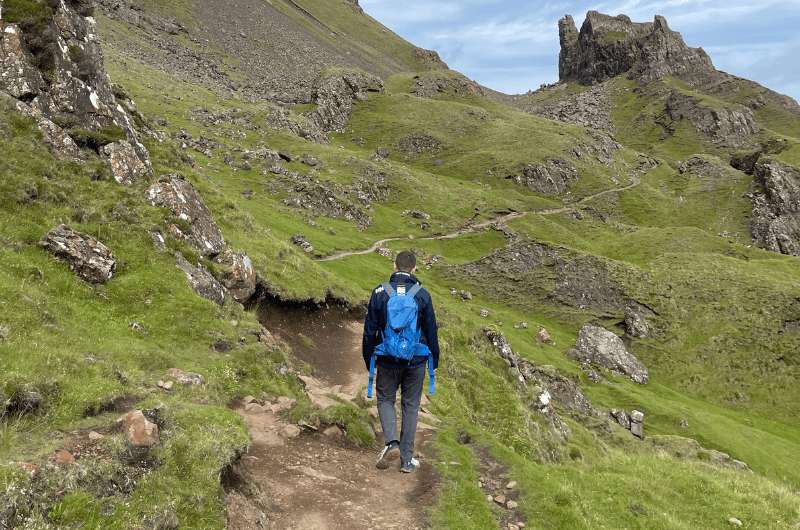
{"type": "Point", "coordinates": [315, 479]}
{"type": "Point", "coordinates": [472, 228]}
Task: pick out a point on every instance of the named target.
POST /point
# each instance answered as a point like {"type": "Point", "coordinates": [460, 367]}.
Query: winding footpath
{"type": "Point", "coordinates": [472, 228]}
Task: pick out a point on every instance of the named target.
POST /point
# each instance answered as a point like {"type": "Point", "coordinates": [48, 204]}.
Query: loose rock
{"type": "Point", "coordinates": [86, 256]}
{"type": "Point", "coordinates": [138, 430]}
{"type": "Point", "coordinates": [599, 346]}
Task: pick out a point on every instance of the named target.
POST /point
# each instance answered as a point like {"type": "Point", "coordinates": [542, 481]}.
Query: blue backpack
{"type": "Point", "coordinates": [401, 337]}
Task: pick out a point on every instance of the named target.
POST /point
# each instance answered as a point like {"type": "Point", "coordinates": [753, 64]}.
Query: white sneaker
{"type": "Point", "coordinates": [410, 467]}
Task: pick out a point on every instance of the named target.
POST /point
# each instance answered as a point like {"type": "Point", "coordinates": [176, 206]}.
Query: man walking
{"type": "Point", "coordinates": [400, 338]}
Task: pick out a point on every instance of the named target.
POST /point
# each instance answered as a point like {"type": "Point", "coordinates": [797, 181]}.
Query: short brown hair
{"type": "Point", "coordinates": [405, 261]}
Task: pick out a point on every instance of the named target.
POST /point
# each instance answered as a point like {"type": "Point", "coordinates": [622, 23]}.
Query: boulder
{"type": "Point", "coordinates": [138, 430]}
{"type": "Point", "coordinates": [201, 280]}
{"type": "Point", "coordinates": [636, 324]}
{"type": "Point", "coordinates": [599, 346]}
{"type": "Point", "coordinates": [637, 424]}
{"type": "Point", "coordinates": [86, 256]}
{"type": "Point", "coordinates": [238, 275]}
{"type": "Point", "coordinates": [126, 166]}
{"type": "Point", "coordinates": [775, 223]}
{"type": "Point", "coordinates": [301, 241]}
{"type": "Point", "coordinates": [185, 203]}
{"type": "Point", "coordinates": [621, 417]}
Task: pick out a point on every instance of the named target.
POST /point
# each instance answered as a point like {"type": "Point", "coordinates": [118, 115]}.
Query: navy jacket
{"type": "Point", "coordinates": [375, 323]}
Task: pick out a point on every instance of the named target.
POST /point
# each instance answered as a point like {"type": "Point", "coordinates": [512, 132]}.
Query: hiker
{"type": "Point", "coordinates": [400, 339]}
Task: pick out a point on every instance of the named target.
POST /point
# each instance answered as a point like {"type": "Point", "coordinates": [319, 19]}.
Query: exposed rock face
{"type": "Point", "coordinates": [185, 203]}
{"type": "Point", "coordinates": [775, 224]}
{"type": "Point", "coordinates": [202, 281]}
{"type": "Point", "coordinates": [637, 424]}
{"type": "Point", "coordinates": [609, 46]}
{"type": "Point", "coordinates": [72, 88]}
{"type": "Point", "coordinates": [126, 165]}
{"type": "Point", "coordinates": [601, 347]}
{"type": "Point", "coordinates": [239, 277]}
{"type": "Point", "coordinates": [591, 108]}
{"type": "Point", "coordinates": [86, 256]}
{"type": "Point", "coordinates": [431, 84]}
{"type": "Point", "coordinates": [551, 177]}
{"type": "Point", "coordinates": [139, 431]}
{"type": "Point", "coordinates": [730, 125]}
{"type": "Point", "coordinates": [543, 380]}
{"type": "Point", "coordinates": [335, 96]}
{"type": "Point", "coordinates": [18, 76]}
{"type": "Point", "coordinates": [416, 144]}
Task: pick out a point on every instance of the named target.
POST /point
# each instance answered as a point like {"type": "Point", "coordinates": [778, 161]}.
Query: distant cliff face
{"type": "Point", "coordinates": [607, 46]}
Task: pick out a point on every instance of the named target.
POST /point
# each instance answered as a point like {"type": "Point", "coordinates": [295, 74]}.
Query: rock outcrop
{"type": "Point", "coordinates": [608, 46]}
{"type": "Point", "coordinates": [551, 177]}
{"type": "Point", "coordinates": [728, 125]}
{"type": "Point", "coordinates": [598, 346]}
{"type": "Point", "coordinates": [87, 257]}
{"type": "Point", "coordinates": [201, 280]}
{"type": "Point", "coordinates": [590, 108]}
{"type": "Point", "coordinates": [61, 80]}
{"type": "Point", "coordinates": [775, 224]}
{"type": "Point", "coordinates": [438, 82]}
{"type": "Point", "coordinates": [197, 227]}
{"type": "Point", "coordinates": [544, 381]}
{"type": "Point", "coordinates": [335, 95]}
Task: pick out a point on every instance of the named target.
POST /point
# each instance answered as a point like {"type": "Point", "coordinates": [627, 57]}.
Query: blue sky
{"type": "Point", "coordinates": [512, 45]}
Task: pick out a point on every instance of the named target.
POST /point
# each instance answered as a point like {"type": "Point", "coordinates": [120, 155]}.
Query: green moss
{"type": "Point", "coordinates": [95, 140]}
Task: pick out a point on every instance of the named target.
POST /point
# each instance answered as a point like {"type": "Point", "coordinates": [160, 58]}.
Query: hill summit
{"type": "Point", "coordinates": [608, 46]}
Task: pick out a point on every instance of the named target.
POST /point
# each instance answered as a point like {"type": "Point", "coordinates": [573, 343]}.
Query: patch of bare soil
{"type": "Point", "coordinates": [314, 480]}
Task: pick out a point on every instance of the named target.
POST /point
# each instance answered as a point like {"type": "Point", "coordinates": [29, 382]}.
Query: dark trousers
{"type": "Point", "coordinates": [410, 382]}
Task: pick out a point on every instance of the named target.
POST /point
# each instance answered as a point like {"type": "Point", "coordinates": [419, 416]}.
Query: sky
{"type": "Point", "coordinates": [512, 45]}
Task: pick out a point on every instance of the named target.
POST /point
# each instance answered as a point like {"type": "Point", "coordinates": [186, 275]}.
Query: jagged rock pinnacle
{"type": "Point", "coordinates": [608, 46]}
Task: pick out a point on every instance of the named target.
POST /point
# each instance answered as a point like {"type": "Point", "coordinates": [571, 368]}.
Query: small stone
{"type": "Point", "coordinates": [543, 336]}
{"type": "Point", "coordinates": [185, 378]}
{"type": "Point", "coordinates": [138, 430]}
{"type": "Point", "coordinates": [511, 485]}
{"type": "Point", "coordinates": [248, 399]}
{"type": "Point", "coordinates": [734, 521]}
{"type": "Point", "coordinates": [256, 408]}
{"type": "Point", "coordinates": [333, 432]}
{"type": "Point", "coordinates": [62, 458]}
{"type": "Point", "coordinates": [4, 333]}
{"type": "Point", "coordinates": [512, 505]}
{"type": "Point", "coordinates": [166, 385]}
{"type": "Point", "coordinates": [283, 403]}
{"type": "Point", "coordinates": [520, 524]}
{"type": "Point", "coordinates": [684, 423]}
{"type": "Point", "coordinates": [500, 499]}
{"type": "Point", "coordinates": [466, 295]}
{"type": "Point", "coordinates": [489, 498]}
{"type": "Point", "coordinates": [512, 526]}
{"type": "Point", "coordinates": [291, 431]}
{"type": "Point", "coordinates": [484, 313]}
{"type": "Point", "coordinates": [521, 325]}
{"type": "Point", "coordinates": [95, 436]}
{"type": "Point", "coordinates": [30, 469]}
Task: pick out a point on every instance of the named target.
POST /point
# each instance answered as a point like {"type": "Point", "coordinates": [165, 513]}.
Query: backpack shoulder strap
{"type": "Point", "coordinates": [414, 290]}
{"type": "Point", "coordinates": [388, 288]}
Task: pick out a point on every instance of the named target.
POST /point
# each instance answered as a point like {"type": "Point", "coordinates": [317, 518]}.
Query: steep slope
{"type": "Point", "coordinates": [527, 230]}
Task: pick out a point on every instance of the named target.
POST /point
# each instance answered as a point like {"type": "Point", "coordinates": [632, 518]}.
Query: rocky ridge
{"type": "Point", "coordinates": [607, 46]}
{"type": "Point", "coordinates": [71, 96]}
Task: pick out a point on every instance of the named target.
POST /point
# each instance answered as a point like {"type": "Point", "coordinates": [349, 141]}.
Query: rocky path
{"type": "Point", "coordinates": [313, 478]}
{"type": "Point", "coordinates": [472, 228]}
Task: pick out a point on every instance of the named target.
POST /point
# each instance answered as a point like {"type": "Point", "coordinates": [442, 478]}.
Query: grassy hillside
{"type": "Point", "coordinates": [722, 361]}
